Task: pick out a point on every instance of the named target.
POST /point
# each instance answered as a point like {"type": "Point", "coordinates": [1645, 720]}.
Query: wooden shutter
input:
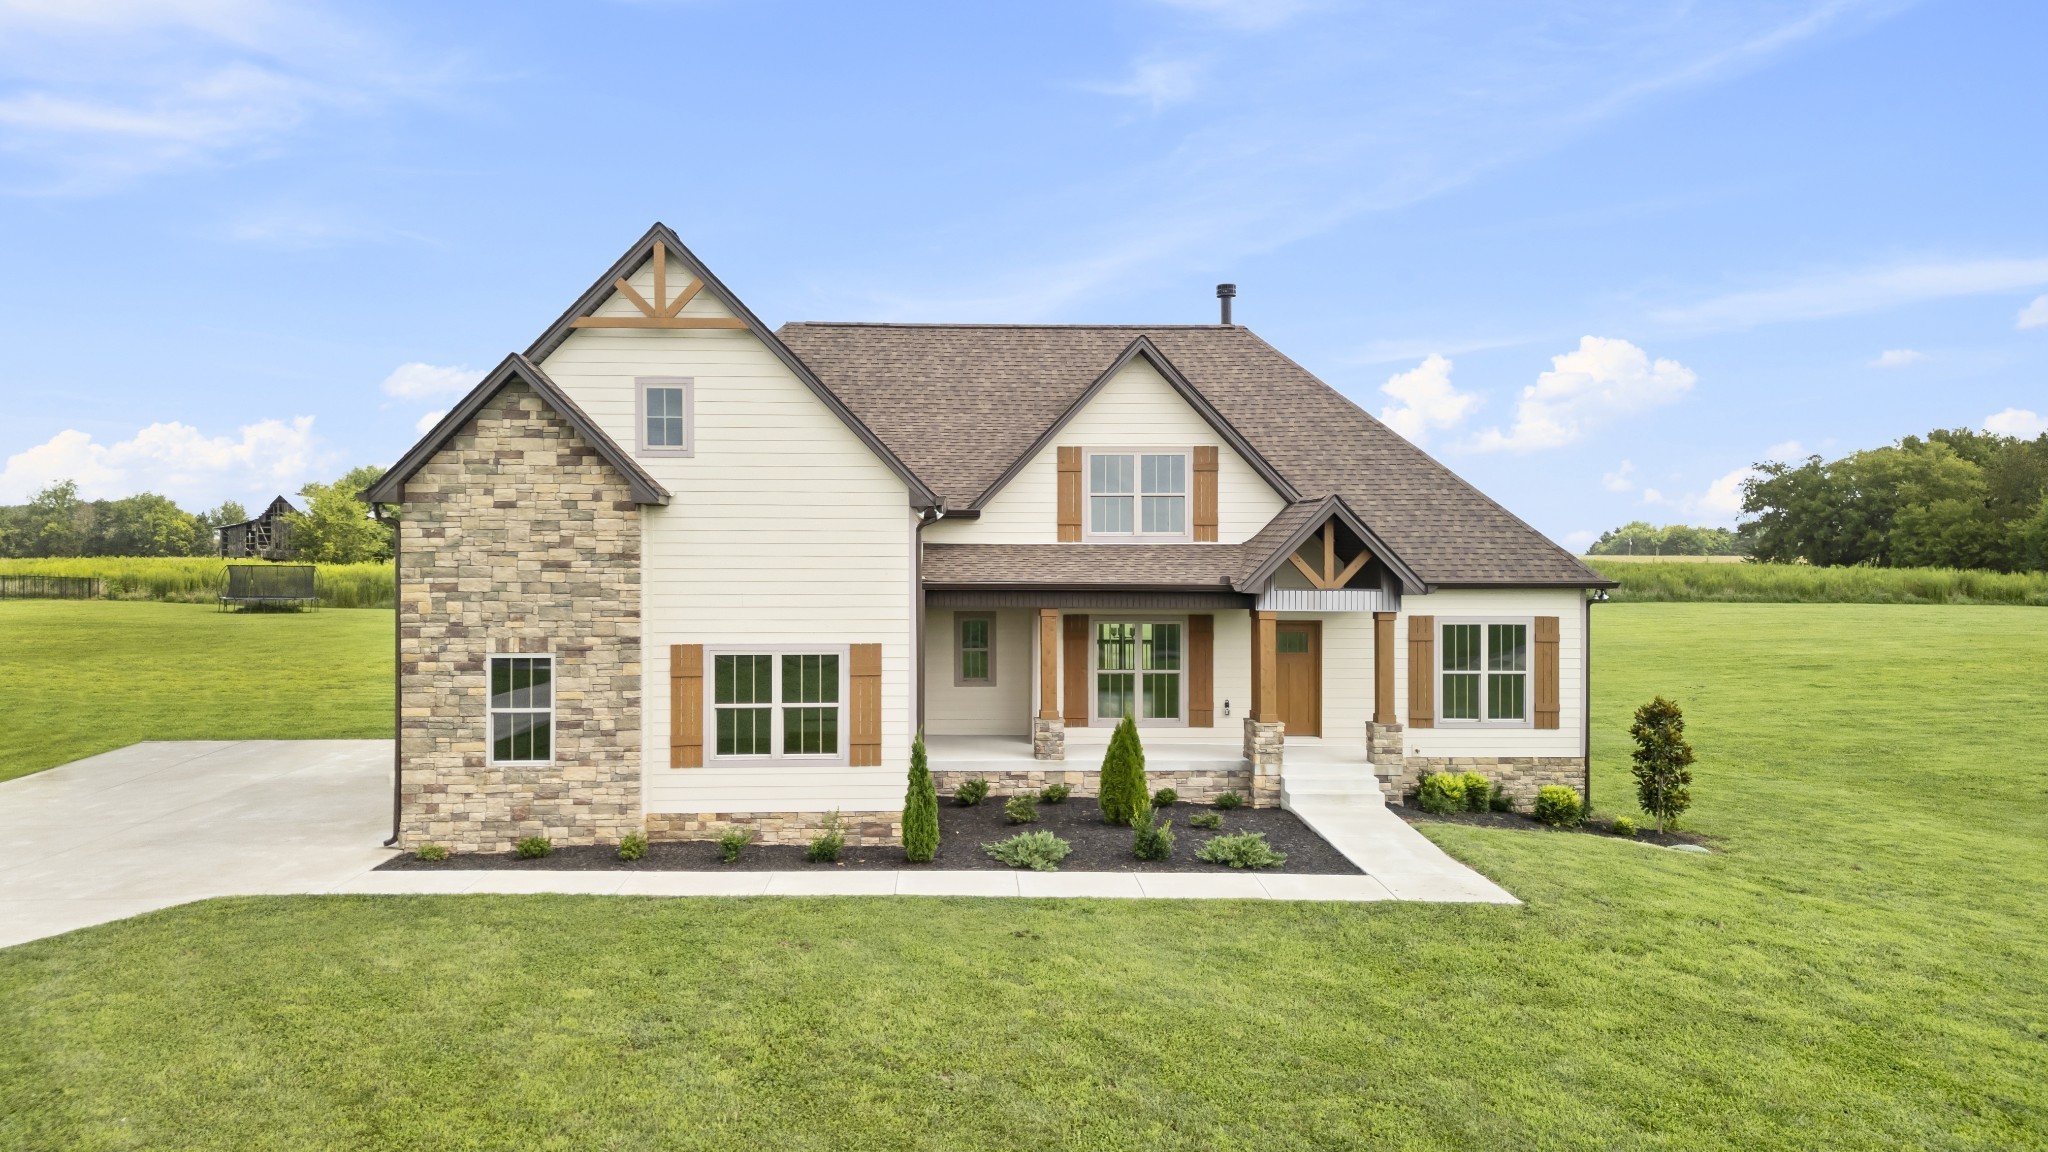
{"type": "Point", "coordinates": [864, 706]}
{"type": "Point", "coordinates": [1070, 494]}
{"type": "Point", "coordinates": [1546, 672]}
{"type": "Point", "coordinates": [1076, 660]}
{"type": "Point", "coordinates": [1422, 671]}
{"type": "Point", "coordinates": [1201, 671]}
{"type": "Point", "coordinates": [686, 705]}
{"type": "Point", "coordinates": [1205, 494]}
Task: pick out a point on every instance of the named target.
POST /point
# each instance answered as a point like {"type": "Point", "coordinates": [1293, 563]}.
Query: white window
{"type": "Point", "coordinates": [665, 422]}
{"type": "Point", "coordinates": [781, 705]}
{"type": "Point", "coordinates": [522, 709]}
{"type": "Point", "coordinates": [1483, 671]}
{"type": "Point", "coordinates": [1138, 670]}
{"type": "Point", "coordinates": [974, 645]}
{"type": "Point", "coordinates": [1138, 495]}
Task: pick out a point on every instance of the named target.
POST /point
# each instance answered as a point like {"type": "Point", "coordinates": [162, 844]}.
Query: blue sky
{"type": "Point", "coordinates": [1598, 257]}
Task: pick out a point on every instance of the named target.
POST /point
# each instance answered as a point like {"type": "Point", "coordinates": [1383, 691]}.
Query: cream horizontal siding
{"type": "Point", "coordinates": [1001, 709]}
{"type": "Point", "coordinates": [1136, 409]}
{"type": "Point", "coordinates": [783, 528]}
{"type": "Point", "coordinates": [1566, 604]}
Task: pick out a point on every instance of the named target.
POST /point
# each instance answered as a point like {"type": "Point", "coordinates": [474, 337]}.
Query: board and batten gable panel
{"type": "Point", "coordinates": [1568, 605]}
{"type": "Point", "coordinates": [1136, 409]}
{"type": "Point", "coordinates": [783, 528]}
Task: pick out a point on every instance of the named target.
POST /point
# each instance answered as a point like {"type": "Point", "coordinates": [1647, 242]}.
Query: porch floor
{"type": "Point", "coordinates": [1085, 749]}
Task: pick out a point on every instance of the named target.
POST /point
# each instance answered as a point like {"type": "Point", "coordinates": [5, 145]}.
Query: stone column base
{"type": "Point", "coordinates": [1384, 747]}
{"type": "Point", "coordinates": [1265, 750]}
{"type": "Point", "coordinates": [1048, 739]}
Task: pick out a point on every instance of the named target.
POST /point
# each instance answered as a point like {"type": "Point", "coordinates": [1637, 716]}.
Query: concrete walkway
{"type": "Point", "coordinates": [158, 824]}
{"type": "Point", "coordinates": [1344, 805]}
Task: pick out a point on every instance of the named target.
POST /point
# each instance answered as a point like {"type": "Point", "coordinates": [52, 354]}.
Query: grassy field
{"type": "Point", "coordinates": [1865, 964]}
{"type": "Point", "coordinates": [1717, 580]}
{"type": "Point", "coordinates": [82, 677]}
{"type": "Point", "coordinates": [197, 579]}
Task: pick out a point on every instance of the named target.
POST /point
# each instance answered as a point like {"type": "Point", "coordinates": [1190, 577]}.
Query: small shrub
{"type": "Point", "coordinates": [1559, 806]}
{"type": "Point", "coordinates": [920, 808]}
{"type": "Point", "coordinates": [1054, 794]}
{"type": "Point", "coordinates": [1441, 793]}
{"type": "Point", "coordinates": [825, 849]}
{"type": "Point", "coordinates": [633, 847]}
{"type": "Point", "coordinates": [534, 847]}
{"type": "Point", "coordinates": [971, 792]}
{"type": "Point", "coordinates": [1499, 800]}
{"type": "Point", "coordinates": [733, 842]}
{"type": "Point", "coordinates": [1021, 809]}
{"type": "Point", "coordinates": [1210, 820]}
{"type": "Point", "coordinates": [1151, 839]}
{"type": "Point", "coordinates": [431, 852]}
{"type": "Point", "coordinates": [1241, 850]}
{"type": "Point", "coordinates": [1229, 800]}
{"type": "Point", "coordinates": [1624, 826]}
{"type": "Point", "coordinates": [1121, 787]}
{"type": "Point", "coordinates": [1478, 792]}
{"type": "Point", "coordinates": [1040, 851]}
{"type": "Point", "coordinates": [1165, 798]}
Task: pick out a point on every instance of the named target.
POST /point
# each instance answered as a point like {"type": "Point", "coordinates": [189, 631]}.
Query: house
{"type": "Point", "coordinates": [267, 537]}
{"type": "Point", "coordinates": [670, 570]}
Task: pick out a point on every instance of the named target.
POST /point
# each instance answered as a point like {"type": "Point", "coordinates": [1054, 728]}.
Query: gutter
{"type": "Point", "coordinates": [1586, 690]}
{"type": "Point", "coordinates": [397, 681]}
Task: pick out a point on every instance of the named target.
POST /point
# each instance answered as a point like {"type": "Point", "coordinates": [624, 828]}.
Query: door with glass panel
{"type": "Point", "coordinates": [1138, 670]}
{"type": "Point", "coordinates": [1298, 676]}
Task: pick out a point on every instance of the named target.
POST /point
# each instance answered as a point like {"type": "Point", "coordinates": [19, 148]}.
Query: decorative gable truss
{"type": "Point", "coordinates": [660, 312]}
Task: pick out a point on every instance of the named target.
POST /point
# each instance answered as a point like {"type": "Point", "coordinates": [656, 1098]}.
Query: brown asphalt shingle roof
{"type": "Point", "coordinates": [1068, 565]}
{"type": "Point", "coordinates": [960, 403]}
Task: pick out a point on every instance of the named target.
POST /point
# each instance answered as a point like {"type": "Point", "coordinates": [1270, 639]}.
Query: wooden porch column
{"type": "Point", "coordinates": [1383, 668]}
{"type": "Point", "coordinates": [1048, 663]}
{"type": "Point", "coordinates": [1265, 660]}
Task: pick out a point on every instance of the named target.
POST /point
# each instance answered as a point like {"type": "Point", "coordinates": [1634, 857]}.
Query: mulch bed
{"type": "Point", "coordinates": [1519, 821]}
{"type": "Point", "coordinates": [1097, 847]}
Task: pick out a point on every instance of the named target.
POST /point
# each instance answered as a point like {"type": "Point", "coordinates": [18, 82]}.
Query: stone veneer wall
{"type": "Point", "coordinates": [1520, 776]}
{"type": "Point", "coordinates": [517, 537]}
{"type": "Point", "coordinates": [861, 829]}
{"type": "Point", "coordinates": [1197, 786]}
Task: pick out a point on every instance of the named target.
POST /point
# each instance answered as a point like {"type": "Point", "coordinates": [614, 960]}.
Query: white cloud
{"type": "Point", "coordinates": [1652, 496]}
{"type": "Point", "coordinates": [1723, 501]}
{"type": "Point", "coordinates": [1579, 541]}
{"type": "Point", "coordinates": [429, 420]}
{"type": "Point", "coordinates": [2034, 315]}
{"type": "Point", "coordinates": [1787, 450]}
{"type": "Point", "coordinates": [2016, 422]}
{"type": "Point", "coordinates": [1601, 380]}
{"type": "Point", "coordinates": [1853, 292]}
{"type": "Point", "coordinates": [174, 459]}
{"type": "Point", "coordinates": [1897, 358]}
{"type": "Point", "coordinates": [1426, 399]}
{"type": "Point", "coordinates": [417, 381]}
{"type": "Point", "coordinates": [1621, 479]}
{"type": "Point", "coordinates": [1156, 82]}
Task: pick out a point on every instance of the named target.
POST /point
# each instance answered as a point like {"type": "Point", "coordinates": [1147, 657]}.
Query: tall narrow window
{"type": "Point", "coordinates": [976, 634]}
{"type": "Point", "coordinates": [664, 416]}
{"type": "Point", "coordinates": [743, 696]}
{"type": "Point", "coordinates": [1484, 669]}
{"type": "Point", "coordinates": [522, 709]}
{"type": "Point", "coordinates": [1136, 495]}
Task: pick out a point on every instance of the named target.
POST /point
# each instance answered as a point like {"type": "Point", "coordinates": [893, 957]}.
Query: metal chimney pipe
{"type": "Point", "coordinates": [1224, 292]}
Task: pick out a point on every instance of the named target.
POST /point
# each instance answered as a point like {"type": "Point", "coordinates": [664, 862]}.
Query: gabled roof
{"type": "Point", "coordinates": [391, 488]}
{"type": "Point", "coordinates": [961, 404]}
{"type": "Point", "coordinates": [1283, 535]}
{"type": "Point", "coordinates": [640, 253]}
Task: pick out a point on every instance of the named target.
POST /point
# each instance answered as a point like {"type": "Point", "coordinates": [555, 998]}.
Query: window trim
{"type": "Point", "coordinates": [1137, 534]}
{"type": "Point", "coordinates": [1094, 654]}
{"type": "Point", "coordinates": [960, 677]}
{"type": "Point", "coordinates": [688, 384]}
{"type": "Point", "coordinates": [491, 710]}
{"type": "Point", "coordinates": [1528, 672]}
{"type": "Point", "coordinates": [776, 757]}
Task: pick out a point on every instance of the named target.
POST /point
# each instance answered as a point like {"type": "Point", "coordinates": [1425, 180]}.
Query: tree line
{"type": "Point", "coordinates": [1954, 498]}
{"type": "Point", "coordinates": [333, 524]}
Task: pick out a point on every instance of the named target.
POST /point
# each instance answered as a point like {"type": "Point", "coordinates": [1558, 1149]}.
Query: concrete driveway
{"type": "Point", "coordinates": [157, 824]}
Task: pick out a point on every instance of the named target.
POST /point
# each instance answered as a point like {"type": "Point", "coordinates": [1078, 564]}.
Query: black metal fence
{"type": "Point", "coordinates": [49, 587]}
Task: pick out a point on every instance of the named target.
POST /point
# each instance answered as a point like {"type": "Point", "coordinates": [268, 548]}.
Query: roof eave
{"type": "Point", "coordinates": [1411, 583]}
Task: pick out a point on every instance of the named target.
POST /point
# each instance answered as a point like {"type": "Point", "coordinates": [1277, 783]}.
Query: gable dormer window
{"type": "Point", "coordinates": [1137, 495]}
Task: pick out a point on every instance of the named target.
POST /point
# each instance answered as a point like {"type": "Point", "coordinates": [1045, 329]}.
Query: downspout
{"type": "Point", "coordinates": [1586, 694]}
{"type": "Point", "coordinates": [926, 517]}
{"type": "Point", "coordinates": [397, 681]}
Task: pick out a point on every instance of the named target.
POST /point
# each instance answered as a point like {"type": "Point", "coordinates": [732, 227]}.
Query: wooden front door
{"type": "Point", "coordinates": [1298, 672]}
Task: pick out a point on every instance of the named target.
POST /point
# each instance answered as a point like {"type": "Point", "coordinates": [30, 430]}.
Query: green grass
{"type": "Point", "coordinates": [197, 579]}
{"type": "Point", "coordinates": [83, 677]}
{"type": "Point", "coordinates": [1865, 965]}
{"type": "Point", "coordinates": [1805, 584]}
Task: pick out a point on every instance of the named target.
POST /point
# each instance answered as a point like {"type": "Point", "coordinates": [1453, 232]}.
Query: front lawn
{"type": "Point", "coordinates": [83, 677]}
{"type": "Point", "coordinates": [1864, 964]}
